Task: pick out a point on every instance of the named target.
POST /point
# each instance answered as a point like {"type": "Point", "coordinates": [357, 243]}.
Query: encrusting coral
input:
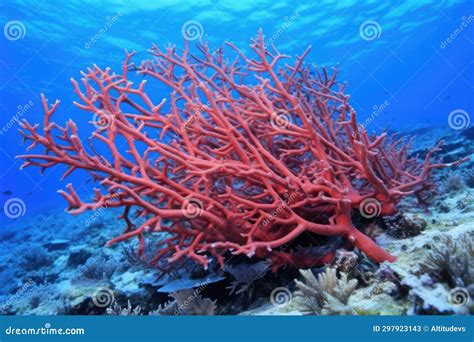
{"type": "Point", "coordinates": [326, 294]}
{"type": "Point", "coordinates": [243, 157]}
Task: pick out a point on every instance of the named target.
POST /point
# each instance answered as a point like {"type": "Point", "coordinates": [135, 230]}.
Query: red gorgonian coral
{"type": "Point", "coordinates": [245, 157]}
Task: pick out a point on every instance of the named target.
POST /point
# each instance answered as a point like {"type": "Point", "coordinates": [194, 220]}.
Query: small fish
{"type": "Point", "coordinates": [7, 193]}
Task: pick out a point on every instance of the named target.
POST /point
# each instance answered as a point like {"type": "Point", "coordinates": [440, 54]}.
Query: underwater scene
{"type": "Point", "coordinates": [236, 157]}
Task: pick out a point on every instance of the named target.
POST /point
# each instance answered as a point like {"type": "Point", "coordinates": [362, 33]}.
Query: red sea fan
{"type": "Point", "coordinates": [243, 158]}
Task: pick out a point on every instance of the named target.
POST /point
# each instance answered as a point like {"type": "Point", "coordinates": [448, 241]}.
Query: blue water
{"type": "Point", "coordinates": [415, 57]}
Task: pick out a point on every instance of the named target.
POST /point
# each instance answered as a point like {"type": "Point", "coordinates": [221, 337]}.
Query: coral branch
{"type": "Point", "coordinates": [242, 158]}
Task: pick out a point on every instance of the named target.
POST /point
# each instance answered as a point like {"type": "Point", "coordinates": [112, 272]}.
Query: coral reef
{"type": "Point", "coordinates": [411, 285]}
{"type": "Point", "coordinates": [326, 294]}
{"type": "Point", "coordinates": [403, 226]}
{"type": "Point", "coordinates": [451, 261]}
{"type": "Point", "coordinates": [187, 302]}
{"type": "Point", "coordinates": [245, 276]}
{"type": "Point", "coordinates": [243, 157]}
{"type": "Point", "coordinates": [116, 310]}
{"type": "Point", "coordinates": [34, 257]}
{"type": "Point", "coordinates": [131, 257]}
{"type": "Point", "coordinates": [39, 299]}
{"type": "Point", "coordinates": [345, 261]}
{"type": "Point", "coordinates": [469, 174]}
{"type": "Point", "coordinates": [454, 182]}
{"type": "Point", "coordinates": [100, 267]}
